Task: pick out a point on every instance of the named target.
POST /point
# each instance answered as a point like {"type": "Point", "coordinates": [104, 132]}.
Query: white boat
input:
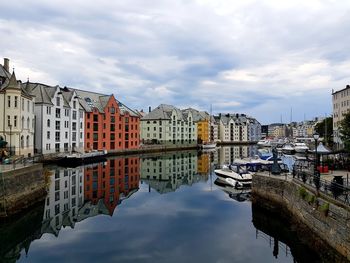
{"type": "Point", "coordinates": [264, 143]}
{"type": "Point", "coordinates": [288, 148]}
{"type": "Point", "coordinates": [300, 147]}
{"type": "Point", "coordinates": [209, 145]}
{"type": "Point", "coordinates": [235, 175]}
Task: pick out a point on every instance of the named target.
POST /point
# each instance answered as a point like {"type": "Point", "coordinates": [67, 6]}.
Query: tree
{"type": "Point", "coordinates": [344, 131]}
{"type": "Point", "coordinates": [325, 130]}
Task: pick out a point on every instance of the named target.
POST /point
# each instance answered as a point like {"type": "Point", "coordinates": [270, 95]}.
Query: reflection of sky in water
{"type": "Point", "coordinates": [193, 224]}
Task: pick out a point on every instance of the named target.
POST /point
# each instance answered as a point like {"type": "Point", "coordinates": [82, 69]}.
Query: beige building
{"type": "Point", "coordinates": [341, 105]}
{"type": "Point", "coordinates": [17, 120]}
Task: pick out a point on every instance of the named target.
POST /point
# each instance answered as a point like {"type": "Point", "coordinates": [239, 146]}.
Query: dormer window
{"type": "Point", "coordinates": [58, 100]}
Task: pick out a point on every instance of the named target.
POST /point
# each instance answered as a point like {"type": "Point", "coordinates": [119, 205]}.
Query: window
{"type": "Point", "coordinates": [58, 100]}
{"type": "Point", "coordinates": [22, 141]}
{"type": "Point", "coordinates": [57, 147]}
{"type": "Point", "coordinates": [48, 110]}
{"type": "Point", "coordinates": [48, 123]}
{"type": "Point", "coordinates": [16, 101]}
{"type": "Point", "coordinates": [58, 113]}
{"type": "Point", "coordinates": [58, 124]}
{"type": "Point", "coordinates": [28, 108]}
{"type": "Point", "coordinates": [27, 141]}
{"type": "Point", "coordinates": [95, 118]}
{"type": "Point", "coordinates": [28, 123]}
{"type": "Point", "coordinates": [66, 135]}
{"type": "Point", "coordinates": [57, 136]}
{"type": "Point", "coordinates": [74, 104]}
{"type": "Point", "coordinates": [9, 101]}
{"type": "Point", "coordinates": [15, 121]}
{"type": "Point", "coordinates": [74, 115]}
{"type": "Point", "coordinates": [74, 126]}
{"type": "Point", "coordinates": [112, 110]}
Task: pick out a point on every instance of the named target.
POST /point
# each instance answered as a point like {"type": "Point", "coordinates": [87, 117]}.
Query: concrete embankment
{"type": "Point", "coordinates": [152, 149]}
{"type": "Point", "coordinates": [324, 217]}
{"type": "Point", "coordinates": [20, 188]}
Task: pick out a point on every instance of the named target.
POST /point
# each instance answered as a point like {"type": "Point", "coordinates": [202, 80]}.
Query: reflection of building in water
{"type": "Point", "coordinates": [203, 164]}
{"type": "Point", "coordinates": [107, 184]}
{"type": "Point", "coordinates": [64, 198]}
{"type": "Point", "coordinates": [168, 172]}
{"type": "Point", "coordinates": [227, 154]}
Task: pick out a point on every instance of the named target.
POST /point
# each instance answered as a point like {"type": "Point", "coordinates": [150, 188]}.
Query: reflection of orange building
{"type": "Point", "coordinates": [203, 164]}
{"type": "Point", "coordinates": [109, 124]}
{"type": "Point", "coordinates": [112, 181]}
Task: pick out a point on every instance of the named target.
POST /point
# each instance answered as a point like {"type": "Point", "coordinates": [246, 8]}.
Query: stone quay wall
{"type": "Point", "coordinates": [325, 217]}
{"type": "Point", "coordinates": [21, 188]}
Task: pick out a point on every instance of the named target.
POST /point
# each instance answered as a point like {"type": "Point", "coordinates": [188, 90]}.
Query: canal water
{"type": "Point", "coordinates": [152, 208]}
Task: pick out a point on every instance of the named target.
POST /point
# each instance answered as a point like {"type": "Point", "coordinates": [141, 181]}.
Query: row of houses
{"type": "Point", "coordinates": [45, 119]}
{"type": "Point", "coordinates": [167, 124]}
{"type": "Point", "coordinates": [48, 119]}
{"type": "Point", "coordinates": [303, 129]}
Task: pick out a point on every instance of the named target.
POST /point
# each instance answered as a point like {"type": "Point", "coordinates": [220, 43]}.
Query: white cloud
{"type": "Point", "coordinates": [245, 55]}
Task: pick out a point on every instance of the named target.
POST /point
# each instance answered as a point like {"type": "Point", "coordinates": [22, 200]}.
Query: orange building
{"type": "Point", "coordinates": [112, 181]}
{"type": "Point", "coordinates": [109, 124]}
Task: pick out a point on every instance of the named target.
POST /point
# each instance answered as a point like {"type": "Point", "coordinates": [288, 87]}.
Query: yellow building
{"type": "Point", "coordinates": [203, 124]}
{"type": "Point", "coordinates": [203, 130]}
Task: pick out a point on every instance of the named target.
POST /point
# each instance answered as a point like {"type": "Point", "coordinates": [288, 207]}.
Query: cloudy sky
{"type": "Point", "coordinates": [263, 58]}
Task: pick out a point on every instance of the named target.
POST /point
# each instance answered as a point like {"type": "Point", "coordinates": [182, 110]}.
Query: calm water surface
{"type": "Point", "coordinates": [149, 209]}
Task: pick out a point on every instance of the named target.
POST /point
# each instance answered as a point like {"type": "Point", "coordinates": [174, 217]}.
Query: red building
{"type": "Point", "coordinates": [112, 181]}
{"type": "Point", "coordinates": [109, 124]}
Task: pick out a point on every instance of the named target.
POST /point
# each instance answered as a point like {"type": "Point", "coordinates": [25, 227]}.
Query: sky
{"type": "Point", "coordinates": [274, 60]}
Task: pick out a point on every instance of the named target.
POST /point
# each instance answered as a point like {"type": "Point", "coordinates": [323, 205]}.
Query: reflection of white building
{"type": "Point", "coordinates": [167, 173]}
{"type": "Point", "coordinates": [227, 154]}
{"type": "Point", "coordinates": [64, 199]}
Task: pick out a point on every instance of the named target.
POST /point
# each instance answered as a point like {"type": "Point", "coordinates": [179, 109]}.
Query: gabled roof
{"type": "Point", "coordinates": [164, 111]}
{"type": "Point", "coordinates": [43, 93]}
{"type": "Point", "coordinates": [197, 115]}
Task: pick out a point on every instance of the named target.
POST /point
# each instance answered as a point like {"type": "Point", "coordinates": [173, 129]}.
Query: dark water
{"type": "Point", "coordinates": [149, 209]}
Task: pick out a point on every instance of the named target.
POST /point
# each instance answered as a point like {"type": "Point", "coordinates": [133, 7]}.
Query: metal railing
{"type": "Point", "coordinates": [333, 189]}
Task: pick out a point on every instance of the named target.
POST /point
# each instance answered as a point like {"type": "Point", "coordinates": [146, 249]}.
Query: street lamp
{"type": "Point", "coordinates": [316, 173]}
{"type": "Point", "coordinates": [10, 126]}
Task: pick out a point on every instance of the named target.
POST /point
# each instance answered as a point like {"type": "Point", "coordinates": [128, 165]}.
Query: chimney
{"type": "Point", "coordinates": [149, 109]}
{"type": "Point", "coordinates": [7, 64]}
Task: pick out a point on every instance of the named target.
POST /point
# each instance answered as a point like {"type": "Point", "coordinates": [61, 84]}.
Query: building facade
{"type": "Point", "coordinates": [341, 106]}
{"type": "Point", "coordinates": [17, 114]}
{"type": "Point", "coordinates": [109, 124]}
{"type": "Point", "coordinates": [238, 128]}
{"type": "Point", "coordinates": [202, 119]}
{"type": "Point", "coordinates": [59, 125]}
{"type": "Point", "coordinates": [167, 124]}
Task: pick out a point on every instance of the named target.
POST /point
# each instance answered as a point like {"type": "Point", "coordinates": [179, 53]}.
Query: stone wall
{"type": "Point", "coordinates": [325, 217]}
{"type": "Point", "coordinates": [21, 188]}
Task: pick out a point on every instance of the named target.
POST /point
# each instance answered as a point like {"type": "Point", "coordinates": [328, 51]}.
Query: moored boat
{"type": "Point", "coordinates": [235, 175]}
{"type": "Point", "coordinates": [76, 159]}
{"type": "Point", "coordinates": [209, 145]}
{"type": "Point", "coordinates": [288, 149]}
{"type": "Point", "coordinates": [300, 147]}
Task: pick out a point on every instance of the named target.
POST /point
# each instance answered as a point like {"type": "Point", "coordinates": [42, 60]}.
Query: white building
{"type": "Point", "coordinates": [59, 119]}
{"type": "Point", "coordinates": [64, 199]}
{"type": "Point", "coordinates": [237, 128]}
{"type": "Point", "coordinates": [341, 106]}
{"type": "Point", "coordinates": [167, 124]}
{"type": "Point", "coordinates": [17, 114]}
